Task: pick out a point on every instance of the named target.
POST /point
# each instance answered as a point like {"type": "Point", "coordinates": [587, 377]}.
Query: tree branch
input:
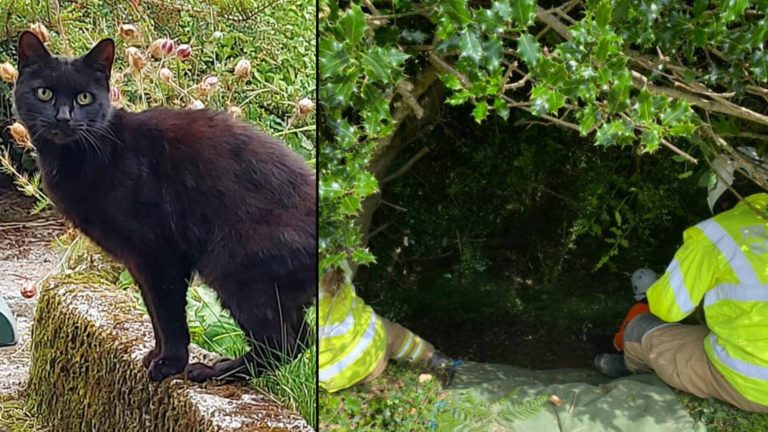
{"type": "Point", "coordinates": [408, 165]}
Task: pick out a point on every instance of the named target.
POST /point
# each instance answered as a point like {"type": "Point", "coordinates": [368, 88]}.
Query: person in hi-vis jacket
{"type": "Point", "coordinates": [722, 265]}
{"type": "Point", "coordinates": [356, 343]}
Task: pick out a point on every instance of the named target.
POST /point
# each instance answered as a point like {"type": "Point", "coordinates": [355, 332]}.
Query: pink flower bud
{"type": "Point", "coordinates": [19, 133]}
{"type": "Point", "coordinates": [8, 73]}
{"type": "Point", "coordinates": [208, 85]}
{"type": "Point", "coordinates": [162, 48]}
{"type": "Point", "coordinates": [28, 291]}
{"type": "Point", "coordinates": [165, 74]}
{"type": "Point", "coordinates": [243, 68]}
{"type": "Point", "coordinates": [128, 31]}
{"type": "Point", "coordinates": [183, 51]}
{"type": "Point", "coordinates": [305, 106]}
{"type": "Point", "coordinates": [135, 59]}
{"type": "Point", "coordinates": [235, 111]}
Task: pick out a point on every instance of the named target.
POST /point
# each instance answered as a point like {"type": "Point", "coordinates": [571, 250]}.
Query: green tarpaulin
{"type": "Point", "coordinates": [490, 397]}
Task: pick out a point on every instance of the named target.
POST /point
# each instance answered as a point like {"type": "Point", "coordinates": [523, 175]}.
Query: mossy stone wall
{"type": "Point", "coordinates": [86, 374]}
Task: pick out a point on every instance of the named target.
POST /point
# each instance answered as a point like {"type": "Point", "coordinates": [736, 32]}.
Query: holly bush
{"type": "Point", "coordinates": [688, 77]}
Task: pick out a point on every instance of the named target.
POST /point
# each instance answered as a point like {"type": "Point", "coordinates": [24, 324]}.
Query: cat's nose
{"type": "Point", "coordinates": [63, 114]}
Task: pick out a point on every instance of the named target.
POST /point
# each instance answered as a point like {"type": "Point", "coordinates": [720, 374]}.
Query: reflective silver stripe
{"type": "Point", "coordinates": [404, 348]}
{"type": "Point", "coordinates": [730, 250]}
{"type": "Point", "coordinates": [740, 292]}
{"type": "Point", "coordinates": [682, 298]}
{"type": "Point", "coordinates": [744, 368]}
{"type": "Point", "coordinates": [339, 329]}
{"type": "Point", "coordinates": [331, 371]}
{"type": "Point", "coordinates": [417, 352]}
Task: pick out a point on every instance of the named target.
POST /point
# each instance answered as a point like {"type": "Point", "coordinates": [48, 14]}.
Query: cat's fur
{"type": "Point", "coordinates": [168, 192]}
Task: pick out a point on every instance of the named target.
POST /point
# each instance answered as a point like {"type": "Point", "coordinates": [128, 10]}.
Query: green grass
{"type": "Point", "coordinates": [396, 401]}
{"type": "Point", "coordinates": [722, 417]}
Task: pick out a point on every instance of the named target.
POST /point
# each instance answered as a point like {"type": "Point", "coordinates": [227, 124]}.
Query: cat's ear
{"type": "Point", "coordinates": [100, 57]}
{"type": "Point", "coordinates": [31, 50]}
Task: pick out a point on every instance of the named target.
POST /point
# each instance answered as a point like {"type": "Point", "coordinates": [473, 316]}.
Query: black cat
{"type": "Point", "coordinates": [168, 192]}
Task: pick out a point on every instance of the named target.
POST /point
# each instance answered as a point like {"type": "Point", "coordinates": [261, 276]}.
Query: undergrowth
{"type": "Point", "coordinates": [396, 401]}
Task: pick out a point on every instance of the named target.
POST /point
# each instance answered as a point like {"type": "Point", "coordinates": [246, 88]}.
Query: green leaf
{"type": "Point", "coordinates": [644, 105]}
{"type": "Point", "coordinates": [732, 9]}
{"type": "Point", "coordinates": [759, 65]}
{"type": "Point", "coordinates": [350, 205]}
{"type": "Point", "coordinates": [619, 93]}
{"type": "Point", "coordinates": [502, 9]}
{"type": "Point", "coordinates": [458, 98]}
{"type": "Point", "coordinates": [677, 111]}
{"type": "Point", "coordinates": [539, 105]}
{"type": "Point", "coordinates": [339, 93]}
{"type": "Point", "coordinates": [650, 140]}
{"type": "Point", "coordinates": [616, 132]}
{"type": "Point", "coordinates": [457, 11]}
{"type": "Point", "coordinates": [501, 108]}
{"type": "Point", "coordinates": [603, 13]}
{"type": "Point", "coordinates": [493, 51]}
{"type": "Point", "coordinates": [555, 101]}
{"type": "Point", "coordinates": [601, 51]}
{"type": "Point", "coordinates": [352, 24]}
{"type": "Point", "coordinates": [333, 58]}
{"type": "Point", "coordinates": [489, 22]}
{"type": "Point", "coordinates": [363, 256]}
{"type": "Point", "coordinates": [588, 118]}
{"type": "Point", "coordinates": [523, 12]}
{"type": "Point", "coordinates": [480, 112]}
{"type": "Point", "coordinates": [451, 81]}
{"type": "Point", "coordinates": [470, 46]}
{"type": "Point", "coordinates": [528, 48]}
{"type": "Point", "coordinates": [379, 63]}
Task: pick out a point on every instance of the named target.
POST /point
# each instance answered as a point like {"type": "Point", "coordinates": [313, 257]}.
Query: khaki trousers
{"type": "Point", "coordinates": [676, 354]}
{"type": "Point", "coordinates": [401, 341]}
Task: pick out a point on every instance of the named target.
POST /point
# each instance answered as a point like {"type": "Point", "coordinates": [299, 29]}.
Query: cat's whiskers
{"type": "Point", "coordinates": [105, 131]}
{"type": "Point", "coordinates": [89, 142]}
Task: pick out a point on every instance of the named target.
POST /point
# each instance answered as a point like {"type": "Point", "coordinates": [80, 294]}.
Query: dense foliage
{"type": "Point", "coordinates": [686, 76]}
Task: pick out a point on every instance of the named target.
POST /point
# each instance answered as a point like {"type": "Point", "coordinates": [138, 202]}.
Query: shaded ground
{"type": "Point", "coordinates": [25, 258]}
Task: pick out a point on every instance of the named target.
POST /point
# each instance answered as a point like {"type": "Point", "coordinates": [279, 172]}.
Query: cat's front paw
{"type": "Point", "coordinates": [199, 372]}
{"type": "Point", "coordinates": [163, 367]}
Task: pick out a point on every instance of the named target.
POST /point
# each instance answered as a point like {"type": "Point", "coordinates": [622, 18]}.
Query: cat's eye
{"type": "Point", "coordinates": [44, 94]}
{"type": "Point", "coordinates": [84, 98]}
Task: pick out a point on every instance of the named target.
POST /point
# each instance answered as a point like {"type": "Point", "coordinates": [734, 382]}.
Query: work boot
{"type": "Point", "coordinates": [443, 366]}
{"type": "Point", "coordinates": [611, 365]}
{"type": "Point", "coordinates": [439, 361]}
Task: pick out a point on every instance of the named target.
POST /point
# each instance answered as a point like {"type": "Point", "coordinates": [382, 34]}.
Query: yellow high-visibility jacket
{"type": "Point", "coordinates": [352, 337]}
{"type": "Point", "coordinates": [724, 262]}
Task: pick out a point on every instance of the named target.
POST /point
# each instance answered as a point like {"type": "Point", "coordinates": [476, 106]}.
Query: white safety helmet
{"type": "Point", "coordinates": [642, 279]}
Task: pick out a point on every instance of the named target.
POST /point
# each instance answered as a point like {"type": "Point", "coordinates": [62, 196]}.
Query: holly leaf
{"type": "Point", "coordinates": [480, 112]}
{"type": "Point", "coordinates": [333, 58]}
{"type": "Point", "coordinates": [352, 24]}
{"type": "Point", "coordinates": [644, 106]}
{"type": "Point", "coordinates": [470, 46]}
{"type": "Point", "coordinates": [523, 12]}
{"type": "Point", "coordinates": [493, 51]}
{"type": "Point", "coordinates": [759, 65]}
{"type": "Point", "coordinates": [732, 9]}
{"type": "Point", "coordinates": [501, 108]}
{"type": "Point", "coordinates": [528, 48]}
